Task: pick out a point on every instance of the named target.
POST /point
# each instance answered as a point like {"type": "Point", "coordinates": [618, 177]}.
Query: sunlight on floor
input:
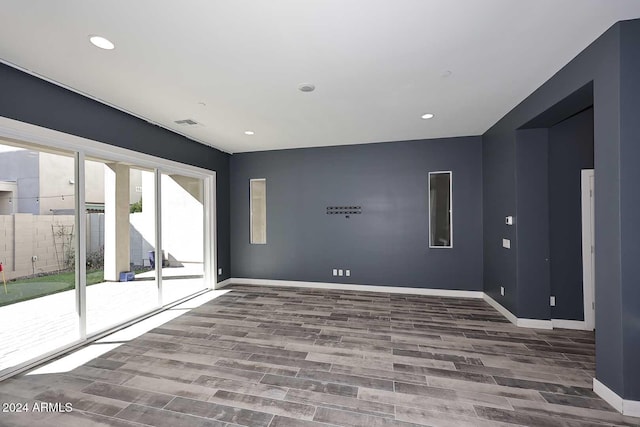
{"type": "Point", "coordinates": [116, 339]}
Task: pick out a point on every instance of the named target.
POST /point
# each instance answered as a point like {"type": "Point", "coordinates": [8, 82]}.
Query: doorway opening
{"type": "Point", "coordinates": [588, 249]}
{"type": "Point", "coordinates": [567, 131]}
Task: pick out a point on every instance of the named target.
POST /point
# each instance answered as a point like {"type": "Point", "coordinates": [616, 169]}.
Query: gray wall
{"type": "Point", "coordinates": [532, 224]}
{"type": "Point", "coordinates": [499, 201]}
{"type": "Point", "coordinates": [388, 243]}
{"type": "Point", "coordinates": [29, 99]}
{"type": "Point", "coordinates": [23, 168]}
{"type": "Point", "coordinates": [570, 151]}
{"type": "Point", "coordinates": [612, 63]}
{"type": "Point", "coordinates": [629, 158]}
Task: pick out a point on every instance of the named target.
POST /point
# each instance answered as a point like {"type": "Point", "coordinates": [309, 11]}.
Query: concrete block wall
{"type": "Point", "coordinates": [23, 236]}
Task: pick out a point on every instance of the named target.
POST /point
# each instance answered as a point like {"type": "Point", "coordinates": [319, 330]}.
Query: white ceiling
{"type": "Point", "coordinates": [378, 65]}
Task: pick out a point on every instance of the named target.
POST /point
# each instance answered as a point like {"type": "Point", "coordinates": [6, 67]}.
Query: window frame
{"type": "Point", "coordinates": [40, 138]}
{"type": "Point", "coordinates": [251, 224]}
{"type": "Point", "coordinates": [450, 246]}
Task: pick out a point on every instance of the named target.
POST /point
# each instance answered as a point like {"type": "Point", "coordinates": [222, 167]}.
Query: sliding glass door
{"type": "Point", "coordinates": [182, 222]}
{"type": "Point", "coordinates": [89, 242]}
{"type": "Point", "coordinates": [38, 299]}
{"type": "Point", "coordinates": [121, 282]}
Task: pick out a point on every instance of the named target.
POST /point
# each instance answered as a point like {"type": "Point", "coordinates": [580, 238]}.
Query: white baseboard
{"type": "Point", "coordinates": [631, 408]}
{"type": "Point", "coordinates": [351, 287]}
{"type": "Point", "coordinates": [222, 284]}
{"type": "Point", "coordinates": [625, 407]}
{"type": "Point", "coordinates": [521, 322]}
{"type": "Point", "coordinates": [607, 395]}
{"type": "Point", "coordinates": [579, 325]}
{"type": "Point", "coordinates": [534, 323]}
{"type": "Point", "coordinates": [506, 313]}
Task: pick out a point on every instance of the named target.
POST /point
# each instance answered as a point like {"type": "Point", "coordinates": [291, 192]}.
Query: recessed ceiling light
{"type": "Point", "coordinates": [306, 87]}
{"type": "Point", "coordinates": [249, 132]}
{"type": "Point", "coordinates": [101, 42]}
{"type": "Point", "coordinates": [427, 116]}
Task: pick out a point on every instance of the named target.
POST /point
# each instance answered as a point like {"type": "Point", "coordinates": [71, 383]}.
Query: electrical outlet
{"type": "Point", "coordinates": [219, 272]}
{"type": "Point", "coordinates": [347, 273]}
{"type": "Point", "coordinates": [552, 301]}
{"type": "Point", "coordinates": [340, 272]}
{"type": "Point", "coordinates": [34, 258]}
{"type": "Point", "coordinates": [502, 290]}
{"type": "Point", "coordinates": [506, 243]}
{"type": "Point", "coordinates": [335, 271]}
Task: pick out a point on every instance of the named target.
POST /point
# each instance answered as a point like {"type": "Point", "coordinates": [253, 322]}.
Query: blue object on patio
{"type": "Point", "coordinates": [152, 259]}
{"type": "Point", "coordinates": [127, 276]}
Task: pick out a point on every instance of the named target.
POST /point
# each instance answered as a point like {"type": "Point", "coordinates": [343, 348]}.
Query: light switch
{"type": "Point", "coordinates": [506, 243]}
{"type": "Point", "coordinates": [508, 220]}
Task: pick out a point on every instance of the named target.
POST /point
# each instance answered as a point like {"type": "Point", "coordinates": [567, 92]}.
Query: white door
{"type": "Point", "coordinates": [588, 249]}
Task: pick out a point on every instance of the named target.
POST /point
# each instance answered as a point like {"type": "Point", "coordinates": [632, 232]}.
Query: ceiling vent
{"type": "Point", "coordinates": [306, 87]}
{"type": "Point", "coordinates": [187, 122]}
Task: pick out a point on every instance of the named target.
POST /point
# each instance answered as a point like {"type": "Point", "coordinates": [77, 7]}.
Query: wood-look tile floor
{"type": "Point", "coordinates": [278, 357]}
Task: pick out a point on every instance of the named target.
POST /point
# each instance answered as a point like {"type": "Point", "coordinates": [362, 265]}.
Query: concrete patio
{"type": "Point", "coordinates": [42, 325]}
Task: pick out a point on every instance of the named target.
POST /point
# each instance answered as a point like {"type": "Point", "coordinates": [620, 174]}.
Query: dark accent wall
{"type": "Point", "coordinates": [611, 64]}
{"type": "Point", "coordinates": [629, 292]}
{"type": "Point", "coordinates": [388, 244]}
{"type": "Point", "coordinates": [498, 182]}
{"type": "Point", "coordinates": [532, 224]}
{"type": "Point", "coordinates": [570, 151]}
{"type": "Point", "coordinates": [32, 100]}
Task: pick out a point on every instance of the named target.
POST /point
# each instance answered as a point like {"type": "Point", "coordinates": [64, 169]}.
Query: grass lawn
{"type": "Point", "coordinates": [34, 287]}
